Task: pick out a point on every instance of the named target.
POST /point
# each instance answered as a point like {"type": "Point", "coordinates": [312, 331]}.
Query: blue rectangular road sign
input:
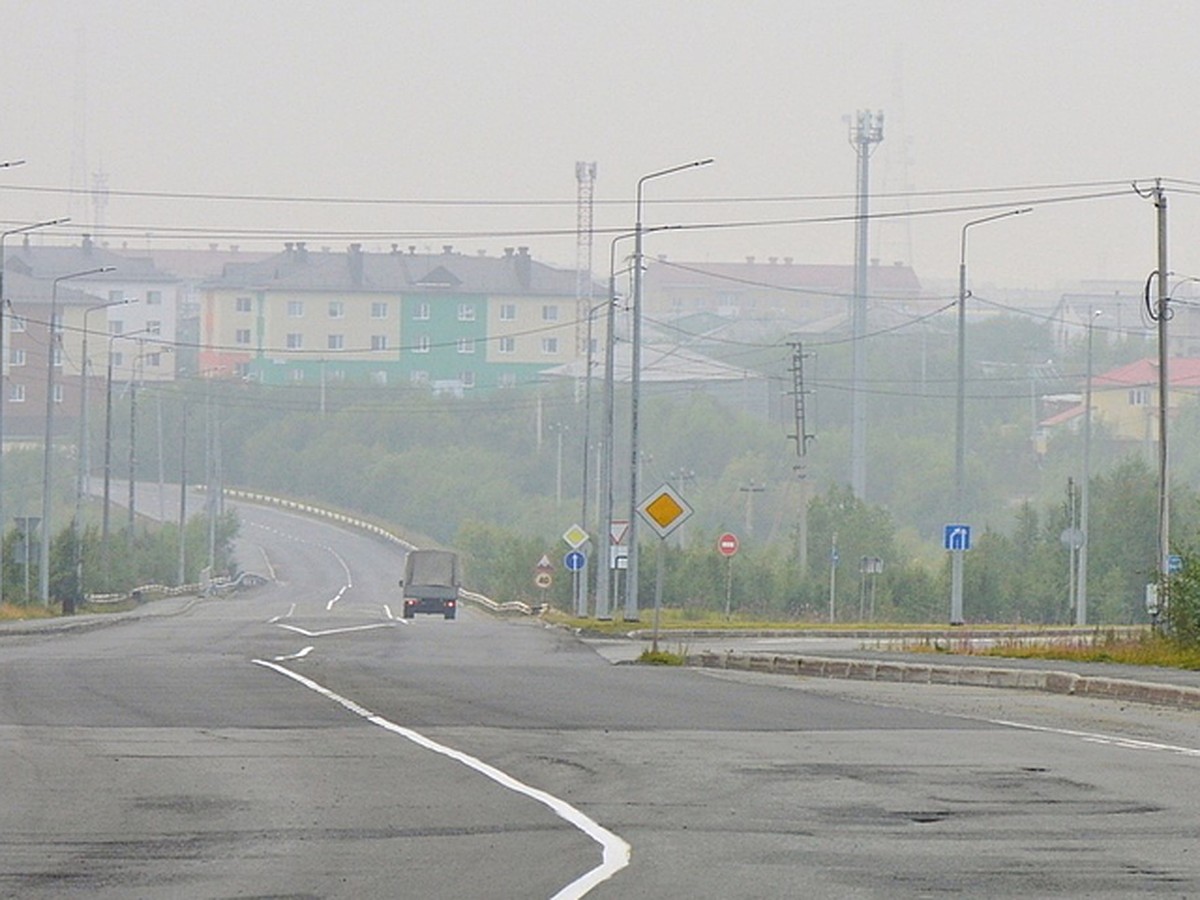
{"type": "Point", "coordinates": [956, 537]}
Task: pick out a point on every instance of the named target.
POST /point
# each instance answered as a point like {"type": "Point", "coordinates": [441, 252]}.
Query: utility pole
{"type": "Point", "coordinates": [750, 490]}
{"type": "Point", "coordinates": [1162, 314]}
{"type": "Point", "coordinates": [865, 133]}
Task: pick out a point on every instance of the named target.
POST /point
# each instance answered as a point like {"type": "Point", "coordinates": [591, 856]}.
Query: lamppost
{"type": "Point", "coordinates": [1081, 595]}
{"type": "Point", "coordinates": [956, 556]}
{"type": "Point", "coordinates": [84, 452]}
{"type": "Point", "coordinates": [3, 355]}
{"type": "Point", "coordinates": [53, 359]}
{"type": "Point", "coordinates": [635, 382]}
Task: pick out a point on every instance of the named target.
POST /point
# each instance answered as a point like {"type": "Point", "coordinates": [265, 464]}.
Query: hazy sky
{"type": "Point", "coordinates": [449, 100]}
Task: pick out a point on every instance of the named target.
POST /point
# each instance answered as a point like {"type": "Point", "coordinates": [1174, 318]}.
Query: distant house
{"type": "Point", "coordinates": [1125, 399]}
{"type": "Point", "coordinates": [449, 320]}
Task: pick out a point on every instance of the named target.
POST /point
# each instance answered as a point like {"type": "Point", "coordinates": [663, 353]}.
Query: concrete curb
{"type": "Point", "coordinates": [968, 676]}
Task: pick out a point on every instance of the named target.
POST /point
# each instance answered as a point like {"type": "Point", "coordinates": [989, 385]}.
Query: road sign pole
{"type": "Point", "coordinates": [728, 587]}
{"type": "Point", "coordinates": [658, 587]}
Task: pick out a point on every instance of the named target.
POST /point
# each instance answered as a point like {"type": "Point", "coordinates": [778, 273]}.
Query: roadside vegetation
{"type": "Point", "coordinates": [498, 476]}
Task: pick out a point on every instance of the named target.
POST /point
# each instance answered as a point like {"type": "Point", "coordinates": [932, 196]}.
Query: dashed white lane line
{"type": "Point", "coordinates": [303, 653]}
{"type": "Point", "coordinates": [615, 852]}
{"type": "Point", "coordinates": [1111, 740]}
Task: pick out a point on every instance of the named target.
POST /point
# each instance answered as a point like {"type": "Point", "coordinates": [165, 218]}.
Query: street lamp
{"type": "Point", "coordinates": [956, 556]}
{"type": "Point", "coordinates": [53, 350]}
{"type": "Point", "coordinates": [635, 382]}
{"type": "Point", "coordinates": [84, 453]}
{"type": "Point", "coordinates": [3, 312]}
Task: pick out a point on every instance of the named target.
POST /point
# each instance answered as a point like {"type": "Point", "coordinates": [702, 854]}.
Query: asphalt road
{"type": "Point", "coordinates": [300, 741]}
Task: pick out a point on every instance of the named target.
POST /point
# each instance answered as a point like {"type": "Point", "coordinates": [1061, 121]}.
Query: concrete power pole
{"type": "Point", "coordinates": [865, 133]}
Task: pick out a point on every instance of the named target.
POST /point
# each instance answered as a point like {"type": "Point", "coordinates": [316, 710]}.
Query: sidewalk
{"type": "Point", "coordinates": [1177, 688]}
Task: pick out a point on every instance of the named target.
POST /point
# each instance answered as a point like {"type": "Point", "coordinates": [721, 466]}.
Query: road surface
{"type": "Point", "coordinates": [302, 740]}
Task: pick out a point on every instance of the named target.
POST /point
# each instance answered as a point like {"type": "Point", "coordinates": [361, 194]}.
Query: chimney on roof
{"type": "Point", "coordinates": [524, 266]}
{"type": "Point", "coordinates": [750, 260]}
{"type": "Point", "coordinates": [447, 249]}
{"type": "Point", "coordinates": [354, 259]}
{"type": "Point", "coordinates": [289, 247]}
{"type": "Point", "coordinates": [787, 260]}
{"type": "Point", "coordinates": [87, 245]}
{"type": "Point", "coordinates": [508, 251]}
{"type": "Point", "coordinates": [412, 249]}
{"type": "Point", "coordinates": [395, 248]}
{"type": "Point", "coordinates": [301, 252]}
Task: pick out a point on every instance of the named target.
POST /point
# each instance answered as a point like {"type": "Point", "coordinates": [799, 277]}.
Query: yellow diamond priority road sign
{"type": "Point", "coordinates": [664, 510]}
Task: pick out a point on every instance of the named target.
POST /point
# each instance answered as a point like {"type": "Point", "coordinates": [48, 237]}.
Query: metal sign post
{"type": "Point", "coordinates": [664, 510]}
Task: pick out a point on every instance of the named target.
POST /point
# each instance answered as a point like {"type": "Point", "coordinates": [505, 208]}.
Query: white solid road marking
{"type": "Point", "coordinates": [1111, 740]}
{"type": "Point", "coordinates": [615, 851]}
{"type": "Point", "coordinates": [329, 631]}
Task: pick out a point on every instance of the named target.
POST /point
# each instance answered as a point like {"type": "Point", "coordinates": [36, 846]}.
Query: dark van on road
{"type": "Point", "coordinates": [430, 583]}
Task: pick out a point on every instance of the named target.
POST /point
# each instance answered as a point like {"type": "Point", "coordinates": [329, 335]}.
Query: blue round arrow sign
{"type": "Point", "coordinates": [574, 561]}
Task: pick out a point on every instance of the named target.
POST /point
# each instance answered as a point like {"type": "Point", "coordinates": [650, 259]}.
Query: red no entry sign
{"type": "Point", "coordinates": [727, 544]}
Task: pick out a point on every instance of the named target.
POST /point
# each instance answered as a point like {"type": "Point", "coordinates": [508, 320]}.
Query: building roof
{"type": "Point", "coordinates": [1181, 372]}
{"type": "Point", "coordinates": [50, 261]}
{"type": "Point", "coordinates": [299, 269]}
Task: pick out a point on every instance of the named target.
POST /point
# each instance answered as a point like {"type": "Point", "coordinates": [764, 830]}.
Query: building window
{"type": "Point", "coordinates": [508, 312]}
{"type": "Point", "coordinates": [1139, 397]}
{"type": "Point", "coordinates": [337, 309]}
{"type": "Point", "coordinates": [153, 327]}
{"type": "Point", "coordinates": [508, 379]}
{"type": "Point", "coordinates": [379, 342]}
{"type": "Point", "coordinates": [154, 360]}
{"type": "Point", "coordinates": [295, 309]}
{"type": "Point", "coordinates": [295, 340]}
{"type": "Point", "coordinates": [242, 336]}
{"type": "Point", "coordinates": [379, 376]}
{"type": "Point", "coordinates": [59, 394]}
{"type": "Point", "coordinates": [154, 298]}
{"type": "Point", "coordinates": [422, 345]}
{"type": "Point", "coordinates": [466, 312]}
{"type": "Point", "coordinates": [336, 342]}
{"type": "Point", "coordinates": [549, 313]}
{"type": "Point", "coordinates": [421, 314]}
{"type": "Point", "coordinates": [337, 375]}
{"type": "Point", "coordinates": [56, 357]}
{"type": "Point", "coordinates": [17, 323]}
{"type": "Point", "coordinates": [17, 357]}
{"type": "Point", "coordinates": [466, 345]}
{"type": "Point", "coordinates": [549, 346]}
{"type": "Point", "coordinates": [378, 310]}
{"type": "Point", "coordinates": [419, 376]}
{"type": "Point", "coordinates": [116, 326]}
{"type": "Point", "coordinates": [467, 379]}
{"type": "Point", "coordinates": [243, 305]}
{"type": "Point", "coordinates": [56, 323]}
{"type": "Point", "coordinates": [16, 393]}
{"type": "Point", "coordinates": [118, 359]}
{"type": "Point", "coordinates": [508, 345]}
{"type": "Point", "coordinates": [297, 374]}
